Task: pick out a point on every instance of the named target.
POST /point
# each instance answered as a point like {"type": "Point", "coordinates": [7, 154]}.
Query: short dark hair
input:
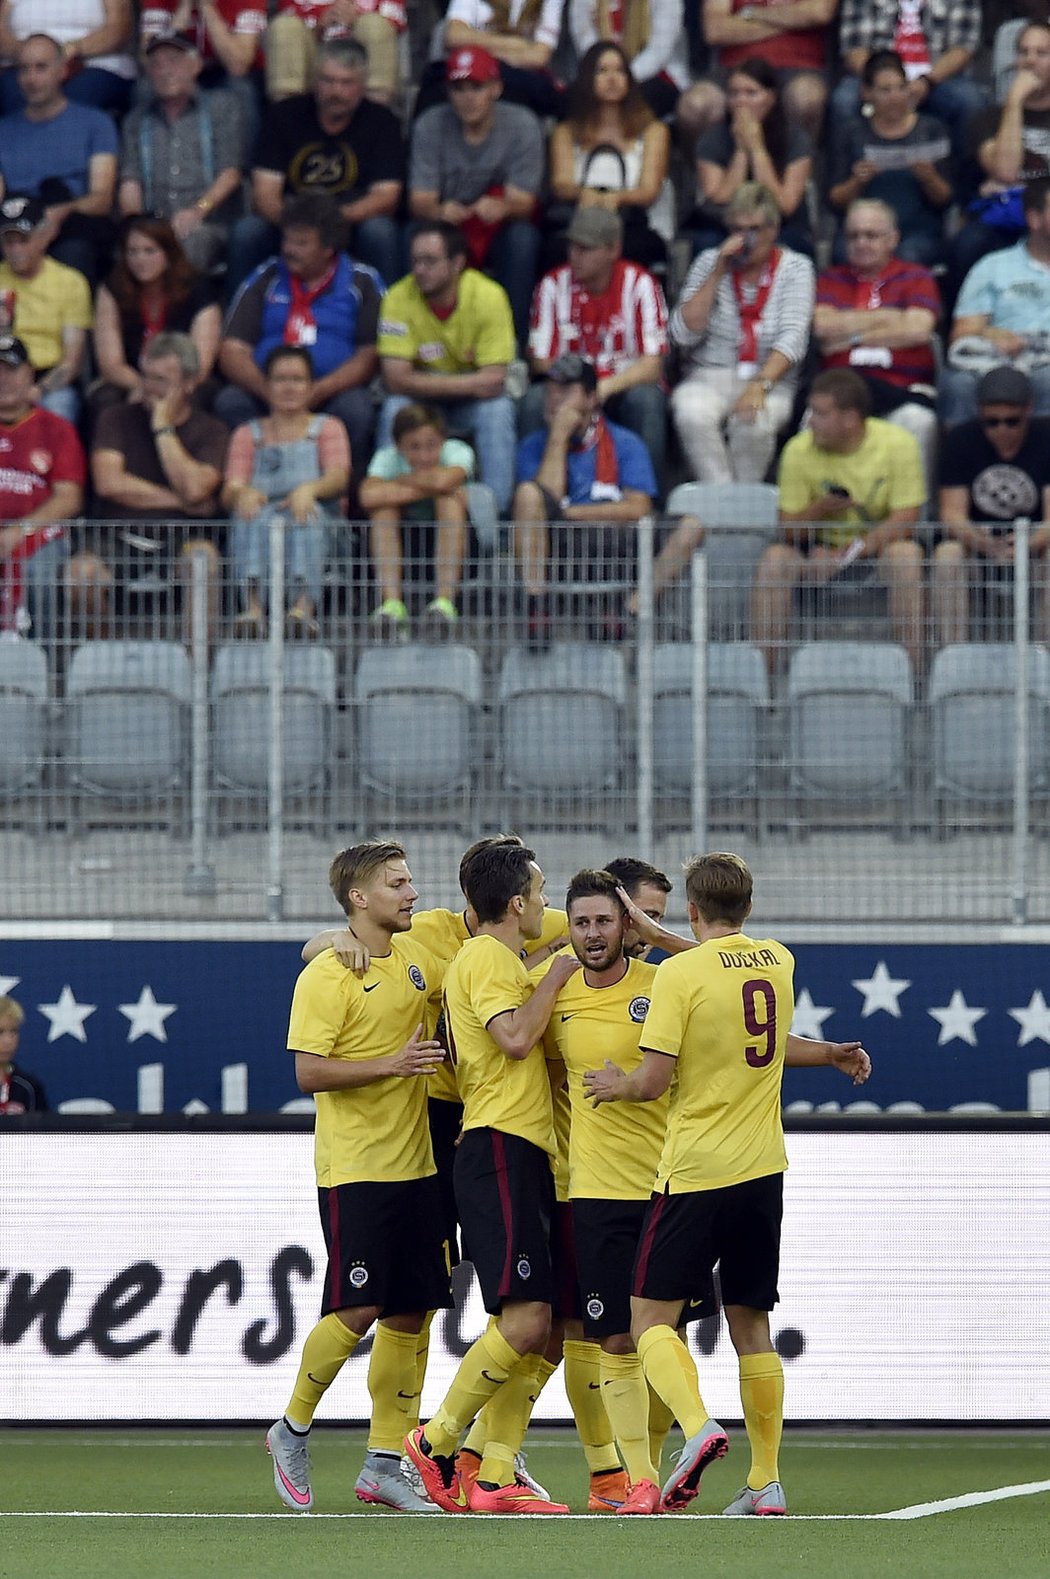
{"type": "Point", "coordinates": [881, 60]}
{"type": "Point", "coordinates": [630, 873]}
{"type": "Point", "coordinates": [284, 353]}
{"type": "Point", "coordinates": [354, 865]}
{"type": "Point", "coordinates": [846, 388]}
{"type": "Point", "coordinates": [411, 418]}
{"type": "Point", "coordinates": [452, 238]}
{"type": "Point", "coordinates": [593, 883]}
{"type": "Point", "coordinates": [1034, 195]}
{"type": "Point", "coordinates": [720, 886]}
{"type": "Point", "coordinates": [316, 211]}
{"type": "Point", "coordinates": [496, 874]}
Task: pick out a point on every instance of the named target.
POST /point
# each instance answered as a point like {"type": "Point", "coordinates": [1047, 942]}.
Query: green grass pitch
{"type": "Point", "coordinates": [50, 1474]}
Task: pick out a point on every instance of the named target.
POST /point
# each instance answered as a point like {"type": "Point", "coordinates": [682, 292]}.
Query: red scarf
{"type": "Point", "coordinates": [599, 435]}
{"type": "Point", "coordinates": [153, 318]}
{"type": "Point", "coordinates": [11, 570]}
{"type": "Point", "coordinates": [301, 312]}
{"type": "Point", "coordinates": [751, 312]}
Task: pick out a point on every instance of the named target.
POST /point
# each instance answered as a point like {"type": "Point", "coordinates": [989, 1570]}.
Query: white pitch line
{"type": "Point", "coordinates": [917, 1510]}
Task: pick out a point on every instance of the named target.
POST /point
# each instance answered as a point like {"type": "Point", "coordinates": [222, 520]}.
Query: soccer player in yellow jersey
{"type": "Point", "coordinates": [648, 889]}
{"type": "Point", "coordinates": [361, 1049]}
{"type": "Point", "coordinates": [494, 1022]}
{"type": "Point", "coordinates": [718, 1026]}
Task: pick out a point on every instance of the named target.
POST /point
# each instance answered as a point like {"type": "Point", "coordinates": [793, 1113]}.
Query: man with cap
{"type": "Point", "coordinates": [579, 467]}
{"type": "Point", "coordinates": [48, 304]}
{"type": "Point", "coordinates": [479, 164]}
{"type": "Point", "coordinates": [994, 471]}
{"type": "Point", "coordinates": [182, 150]}
{"type": "Point", "coordinates": [614, 314]}
{"type": "Point", "coordinates": [41, 487]}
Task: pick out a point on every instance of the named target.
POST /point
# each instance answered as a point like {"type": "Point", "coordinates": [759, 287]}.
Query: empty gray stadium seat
{"type": "Point", "coordinates": [747, 514]}
{"type": "Point", "coordinates": [737, 700]}
{"type": "Point", "coordinates": [971, 698]}
{"type": "Point", "coordinates": [849, 707]}
{"type": "Point", "coordinates": [23, 717]}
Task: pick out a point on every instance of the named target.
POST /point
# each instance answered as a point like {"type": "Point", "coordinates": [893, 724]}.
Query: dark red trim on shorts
{"type": "Point", "coordinates": [334, 1248]}
{"type": "Point", "coordinates": [645, 1246]}
{"type": "Point", "coordinates": [499, 1156]}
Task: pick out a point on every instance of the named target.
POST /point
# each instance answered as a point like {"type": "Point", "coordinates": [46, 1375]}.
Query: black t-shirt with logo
{"type": "Point", "coordinates": [1000, 491]}
{"type": "Point", "coordinates": [343, 165]}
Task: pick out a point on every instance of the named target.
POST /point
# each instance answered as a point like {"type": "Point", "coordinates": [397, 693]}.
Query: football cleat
{"type": "Point", "coordinates": [439, 1476]}
{"type": "Point", "coordinates": [381, 1482]}
{"type": "Point", "coordinates": [608, 1491]}
{"type": "Point", "coordinates": [467, 1465]}
{"type": "Point", "coordinates": [643, 1497]}
{"type": "Point", "coordinates": [291, 1466]}
{"type": "Point", "coordinates": [709, 1443]}
{"type": "Point", "coordinates": [523, 1478]}
{"type": "Point", "coordinates": [770, 1502]}
{"type": "Point", "coordinates": [515, 1498]}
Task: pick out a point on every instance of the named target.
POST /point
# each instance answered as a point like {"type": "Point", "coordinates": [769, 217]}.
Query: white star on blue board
{"type": "Point", "coordinates": [809, 1019]}
{"type": "Point", "coordinates": [147, 1016]}
{"type": "Point", "coordinates": [881, 991]}
{"type": "Point", "coordinates": [957, 1020]}
{"type": "Point", "coordinates": [8, 984]}
{"type": "Point", "coordinates": [1034, 1021]}
{"type": "Point", "coordinates": [67, 1016]}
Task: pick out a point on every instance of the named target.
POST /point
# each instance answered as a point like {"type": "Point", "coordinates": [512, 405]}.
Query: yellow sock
{"type": "Point", "coordinates": [422, 1351]}
{"type": "Point", "coordinates": [325, 1352]}
{"type": "Point", "coordinates": [660, 1422]}
{"type": "Point", "coordinates": [478, 1432]}
{"type": "Point", "coordinates": [626, 1399]}
{"type": "Point", "coordinates": [507, 1416]}
{"type": "Point", "coordinates": [483, 1369]}
{"type": "Point", "coordinates": [583, 1387]}
{"type": "Point", "coordinates": [670, 1371]}
{"type": "Point", "coordinates": [392, 1375]}
{"type": "Point", "coordinates": [762, 1395]}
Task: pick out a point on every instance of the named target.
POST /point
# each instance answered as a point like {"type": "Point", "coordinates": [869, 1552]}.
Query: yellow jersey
{"type": "Point", "coordinates": [444, 932]}
{"type": "Point", "coordinates": [376, 1133]}
{"type": "Point", "coordinates": [885, 473]}
{"type": "Point", "coordinates": [509, 1094]}
{"type": "Point", "coordinates": [614, 1149]}
{"type": "Point", "coordinates": [479, 331]}
{"type": "Point", "coordinates": [723, 1012]}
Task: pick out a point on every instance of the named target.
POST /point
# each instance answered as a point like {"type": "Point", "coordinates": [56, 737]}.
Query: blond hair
{"type": "Point", "coordinates": [10, 1010]}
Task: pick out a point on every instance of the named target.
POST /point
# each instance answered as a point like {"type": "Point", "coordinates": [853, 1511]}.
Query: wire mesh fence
{"type": "Point", "coordinates": [181, 741]}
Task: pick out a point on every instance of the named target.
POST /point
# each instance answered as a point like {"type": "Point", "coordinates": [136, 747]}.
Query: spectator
{"type": "Point", "coordinates": [52, 304]}
{"type": "Point", "coordinates": [313, 295]}
{"type": "Point", "coordinates": [878, 315]}
{"type": "Point", "coordinates": [157, 463]}
{"type": "Point", "coordinates": [151, 288]}
{"type": "Point", "coordinates": [580, 468]}
{"type": "Point", "coordinates": [756, 142]}
{"type": "Point", "coordinates": [41, 490]}
{"type": "Point", "coordinates": [612, 313]}
{"type": "Point", "coordinates": [182, 151]}
{"type": "Point", "coordinates": [652, 37]}
{"type": "Point", "coordinates": [936, 43]}
{"type": "Point", "coordinates": [742, 324]}
{"type": "Point", "coordinates": [851, 488]}
{"type": "Point", "coordinates": [63, 153]}
{"type": "Point", "coordinates": [292, 465]}
{"type": "Point", "coordinates": [229, 34]}
{"type": "Point", "coordinates": [479, 164]}
{"type": "Point", "coordinates": [19, 1092]}
{"type": "Point", "coordinates": [522, 34]}
{"type": "Point", "coordinates": [1013, 148]}
{"type": "Point", "coordinates": [1003, 314]}
{"type": "Point", "coordinates": [896, 154]}
{"type": "Point", "coordinates": [420, 477]}
{"type": "Point", "coordinates": [791, 37]}
{"type": "Point", "coordinates": [993, 471]}
{"type": "Point", "coordinates": [94, 37]}
{"type": "Point", "coordinates": [613, 153]}
{"type": "Point", "coordinates": [293, 34]}
{"type": "Point", "coordinates": [332, 143]}
{"type": "Point", "coordinates": [446, 336]}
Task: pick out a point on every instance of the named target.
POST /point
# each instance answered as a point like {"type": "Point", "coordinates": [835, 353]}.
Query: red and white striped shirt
{"type": "Point", "coordinates": [612, 330]}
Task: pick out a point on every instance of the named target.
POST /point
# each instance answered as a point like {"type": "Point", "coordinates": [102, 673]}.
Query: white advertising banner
{"type": "Point", "coordinates": [161, 1276]}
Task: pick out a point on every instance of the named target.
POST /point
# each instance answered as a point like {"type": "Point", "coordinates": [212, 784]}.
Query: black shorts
{"type": "Point", "coordinates": [505, 1196]}
{"type": "Point", "coordinates": [445, 1120]}
{"type": "Point", "coordinates": [685, 1235]}
{"type": "Point", "coordinates": [385, 1247]}
{"type": "Point", "coordinates": [566, 1302]}
{"type": "Point", "coordinates": [607, 1235]}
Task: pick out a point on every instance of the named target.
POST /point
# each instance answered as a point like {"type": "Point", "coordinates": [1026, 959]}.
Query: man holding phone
{"type": "Point", "coordinates": [851, 489]}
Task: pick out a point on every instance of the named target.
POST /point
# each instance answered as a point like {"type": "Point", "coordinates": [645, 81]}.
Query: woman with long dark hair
{"type": "Point", "coordinates": [612, 152]}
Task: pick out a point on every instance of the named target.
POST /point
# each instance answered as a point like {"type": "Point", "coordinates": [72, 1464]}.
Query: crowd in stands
{"type": "Point", "coordinates": [330, 257]}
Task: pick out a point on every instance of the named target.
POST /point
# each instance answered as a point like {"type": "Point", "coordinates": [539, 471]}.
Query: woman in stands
{"type": "Point", "coordinates": [898, 154]}
{"type": "Point", "coordinates": [613, 153]}
{"type": "Point", "coordinates": [755, 141]}
{"type": "Point", "coordinates": [293, 465]}
{"type": "Point", "coordinates": [152, 287]}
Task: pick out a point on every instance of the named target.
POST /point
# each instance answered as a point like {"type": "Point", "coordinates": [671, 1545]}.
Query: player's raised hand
{"type": "Point", "coordinates": [351, 952]}
{"type": "Point", "coordinates": [851, 1058]}
{"type": "Point", "coordinates": [603, 1085]}
{"type": "Point", "coordinates": [417, 1057]}
{"type": "Point", "coordinates": [562, 967]}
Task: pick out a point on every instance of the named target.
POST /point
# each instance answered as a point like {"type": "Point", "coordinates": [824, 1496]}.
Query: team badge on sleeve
{"type": "Point", "coordinates": [638, 1008]}
{"type": "Point", "coordinates": [416, 977]}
